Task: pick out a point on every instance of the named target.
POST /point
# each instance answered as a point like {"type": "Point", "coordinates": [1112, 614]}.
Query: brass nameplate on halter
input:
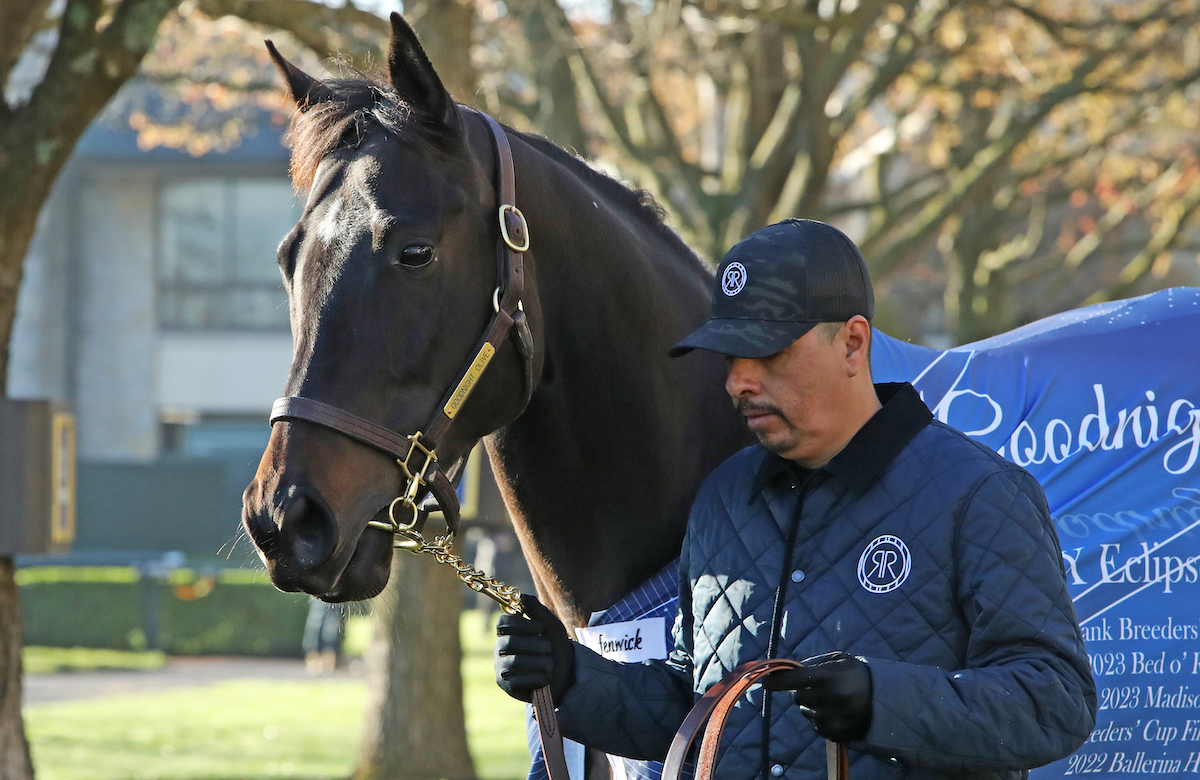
{"type": "Point", "coordinates": [469, 379]}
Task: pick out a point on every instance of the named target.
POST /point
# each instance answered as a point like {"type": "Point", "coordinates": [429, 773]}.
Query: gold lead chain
{"type": "Point", "coordinates": [507, 596]}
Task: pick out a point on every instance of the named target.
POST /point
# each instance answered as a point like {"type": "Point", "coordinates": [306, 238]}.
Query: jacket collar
{"type": "Point", "coordinates": [876, 444]}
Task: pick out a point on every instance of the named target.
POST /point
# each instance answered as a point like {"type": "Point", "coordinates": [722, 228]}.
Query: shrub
{"type": "Point", "coordinates": [226, 613]}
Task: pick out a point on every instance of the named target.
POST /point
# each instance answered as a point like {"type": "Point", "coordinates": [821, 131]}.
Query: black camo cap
{"type": "Point", "coordinates": [779, 282]}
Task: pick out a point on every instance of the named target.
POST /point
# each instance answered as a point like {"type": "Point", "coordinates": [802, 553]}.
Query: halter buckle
{"type": "Point", "coordinates": [409, 538]}
{"type": "Point", "coordinates": [496, 301]}
{"type": "Point", "coordinates": [415, 480]}
{"type": "Point", "coordinates": [520, 241]}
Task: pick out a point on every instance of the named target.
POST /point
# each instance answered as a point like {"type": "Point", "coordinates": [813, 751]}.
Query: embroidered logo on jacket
{"type": "Point", "coordinates": [884, 565]}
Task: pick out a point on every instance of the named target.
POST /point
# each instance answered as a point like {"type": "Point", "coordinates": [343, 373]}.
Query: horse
{"type": "Point", "coordinates": [598, 441]}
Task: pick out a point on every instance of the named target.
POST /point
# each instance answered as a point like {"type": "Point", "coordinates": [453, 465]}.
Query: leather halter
{"type": "Point", "coordinates": [416, 453]}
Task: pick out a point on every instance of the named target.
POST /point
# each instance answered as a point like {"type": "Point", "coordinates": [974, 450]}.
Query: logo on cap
{"type": "Point", "coordinates": [884, 565]}
{"type": "Point", "coordinates": [734, 279]}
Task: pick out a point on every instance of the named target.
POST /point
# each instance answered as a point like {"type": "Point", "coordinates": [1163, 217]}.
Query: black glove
{"type": "Point", "coordinates": [533, 652]}
{"type": "Point", "coordinates": [833, 691]}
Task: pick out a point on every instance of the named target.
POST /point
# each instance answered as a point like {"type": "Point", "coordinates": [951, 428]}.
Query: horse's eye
{"type": "Point", "coordinates": [416, 256]}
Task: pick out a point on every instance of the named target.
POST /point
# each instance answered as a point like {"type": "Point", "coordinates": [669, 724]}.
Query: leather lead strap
{"type": "Point", "coordinates": [714, 707]}
{"type": "Point", "coordinates": [837, 762]}
{"type": "Point", "coordinates": [552, 744]}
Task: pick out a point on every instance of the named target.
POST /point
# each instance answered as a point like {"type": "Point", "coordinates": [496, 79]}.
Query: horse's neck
{"type": "Point", "coordinates": [600, 470]}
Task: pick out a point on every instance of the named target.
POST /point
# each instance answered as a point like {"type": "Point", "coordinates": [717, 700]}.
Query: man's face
{"type": "Point", "coordinates": [791, 400]}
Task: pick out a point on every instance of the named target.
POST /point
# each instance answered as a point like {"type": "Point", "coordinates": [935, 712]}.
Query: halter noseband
{"type": "Point", "coordinates": [416, 453]}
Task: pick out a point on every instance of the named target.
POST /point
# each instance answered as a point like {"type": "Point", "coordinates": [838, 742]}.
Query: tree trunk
{"type": "Point", "coordinates": [86, 69]}
{"type": "Point", "coordinates": [445, 27]}
{"type": "Point", "coordinates": [18, 218]}
{"type": "Point", "coordinates": [558, 102]}
{"type": "Point", "coordinates": [415, 729]}
{"type": "Point", "coordinates": [15, 763]}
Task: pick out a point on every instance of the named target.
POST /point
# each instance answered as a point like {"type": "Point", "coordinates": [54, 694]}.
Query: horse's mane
{"type": "Point", "coordinates": [638, 201]}
{"type": "Point", "coordinates": [358, 104]}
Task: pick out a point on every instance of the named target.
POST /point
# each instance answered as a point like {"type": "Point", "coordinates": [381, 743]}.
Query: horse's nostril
{"type": "Point", "coordinates": [309, 530]}
{"type": "Point", "coordinates": [262, 530]}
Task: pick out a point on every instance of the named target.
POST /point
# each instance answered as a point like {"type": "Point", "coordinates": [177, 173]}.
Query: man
{"type": "Point", "coordinates": [915, 570]}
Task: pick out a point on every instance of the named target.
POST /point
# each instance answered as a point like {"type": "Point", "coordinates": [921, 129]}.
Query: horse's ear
{"type": "Point", "coordinates": [413, 76]}
{"type": "Point", "coordinates": [305, 90]}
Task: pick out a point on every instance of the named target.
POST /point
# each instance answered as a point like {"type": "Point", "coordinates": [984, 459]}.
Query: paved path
{"type": "Point", "coordinates": [178, 673]}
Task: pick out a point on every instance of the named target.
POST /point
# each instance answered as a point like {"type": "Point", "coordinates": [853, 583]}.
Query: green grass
{"type": "Point", "coordinates": [230, 730]}
{"type": "Point", "coordinates": [248, 730]}
{"type": "Point", "coordinates": [54, 574]}
{"type": "Point", "coordinates": [49, 660]}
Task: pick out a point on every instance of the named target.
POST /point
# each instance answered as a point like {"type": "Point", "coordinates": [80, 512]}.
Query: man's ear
{"type": "Point", "coordinates": [304, 89]}
{"type": "Point", "coordinates": [414, 78]}
{"type": "Point", "coordinates": [857, 333]}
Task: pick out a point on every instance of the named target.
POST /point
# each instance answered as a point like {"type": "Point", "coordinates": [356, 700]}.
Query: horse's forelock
{"type": "Point", "coordinates": [357, 106]}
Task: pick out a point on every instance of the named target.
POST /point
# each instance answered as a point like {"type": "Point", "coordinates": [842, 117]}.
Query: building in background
{"type": "Point", "coordinates": [152, 304]}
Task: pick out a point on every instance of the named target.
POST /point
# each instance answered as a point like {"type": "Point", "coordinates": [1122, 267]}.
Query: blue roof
{"type": "Point", "coordinates": [104, 142]}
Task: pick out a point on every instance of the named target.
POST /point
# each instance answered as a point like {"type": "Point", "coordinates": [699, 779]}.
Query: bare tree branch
{"type": "Point", "coordinates": [329, 31]}
{"type": "Point", "coordinates": [659, 162]}
{"type": "Point", "coordinates": [987, 159]}
{"type": "Point", "coordinates": [20, 20]}
{"type": "Point", "coordinates": [1164, 237]}
{"type": "Point", "coordinates": [902, 52]}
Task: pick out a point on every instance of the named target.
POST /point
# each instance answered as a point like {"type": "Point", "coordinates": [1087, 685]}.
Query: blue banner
{"type": "Point", "coordinates": [1102, 406]}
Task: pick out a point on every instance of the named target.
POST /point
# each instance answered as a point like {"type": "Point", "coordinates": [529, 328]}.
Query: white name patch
{"type": "Point", "coordinates": [630, 642]}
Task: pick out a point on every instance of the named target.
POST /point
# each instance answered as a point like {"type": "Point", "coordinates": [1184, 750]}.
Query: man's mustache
{"type": "Point", "coordinates": [745, 407]}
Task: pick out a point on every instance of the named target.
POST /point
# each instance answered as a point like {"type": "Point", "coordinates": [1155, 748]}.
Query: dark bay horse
{"type": "Point", "coordinates": [390, 275]}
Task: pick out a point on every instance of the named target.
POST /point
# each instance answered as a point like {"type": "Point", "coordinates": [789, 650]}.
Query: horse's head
{"type": "Point", "coordinates": [390, 276]}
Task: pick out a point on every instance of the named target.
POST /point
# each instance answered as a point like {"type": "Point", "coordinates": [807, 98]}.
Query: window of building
{"type": "Point", "coordinates": [217, 267]}
{"type": "Point", "coordinates": [240, 438]}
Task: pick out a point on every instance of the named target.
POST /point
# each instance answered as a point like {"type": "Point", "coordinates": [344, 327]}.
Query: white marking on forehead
{"type": "Point", "coordinates": [328, 229]}
{"type": "Point", "coordinates": [352, 215]}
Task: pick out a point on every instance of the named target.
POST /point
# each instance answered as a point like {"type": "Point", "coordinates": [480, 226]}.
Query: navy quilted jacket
{"type": "Point", "coordinates": [919, 550]}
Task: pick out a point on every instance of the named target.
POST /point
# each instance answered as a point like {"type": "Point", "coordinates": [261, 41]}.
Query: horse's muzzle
{"type": "Point", "coordinates": [297, 538]}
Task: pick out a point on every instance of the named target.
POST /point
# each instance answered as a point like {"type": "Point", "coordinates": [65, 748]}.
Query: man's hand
{"type": "Point", "coordinates": [533, 652]}
{"type": "Point", "coordinates": [833, 691]}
